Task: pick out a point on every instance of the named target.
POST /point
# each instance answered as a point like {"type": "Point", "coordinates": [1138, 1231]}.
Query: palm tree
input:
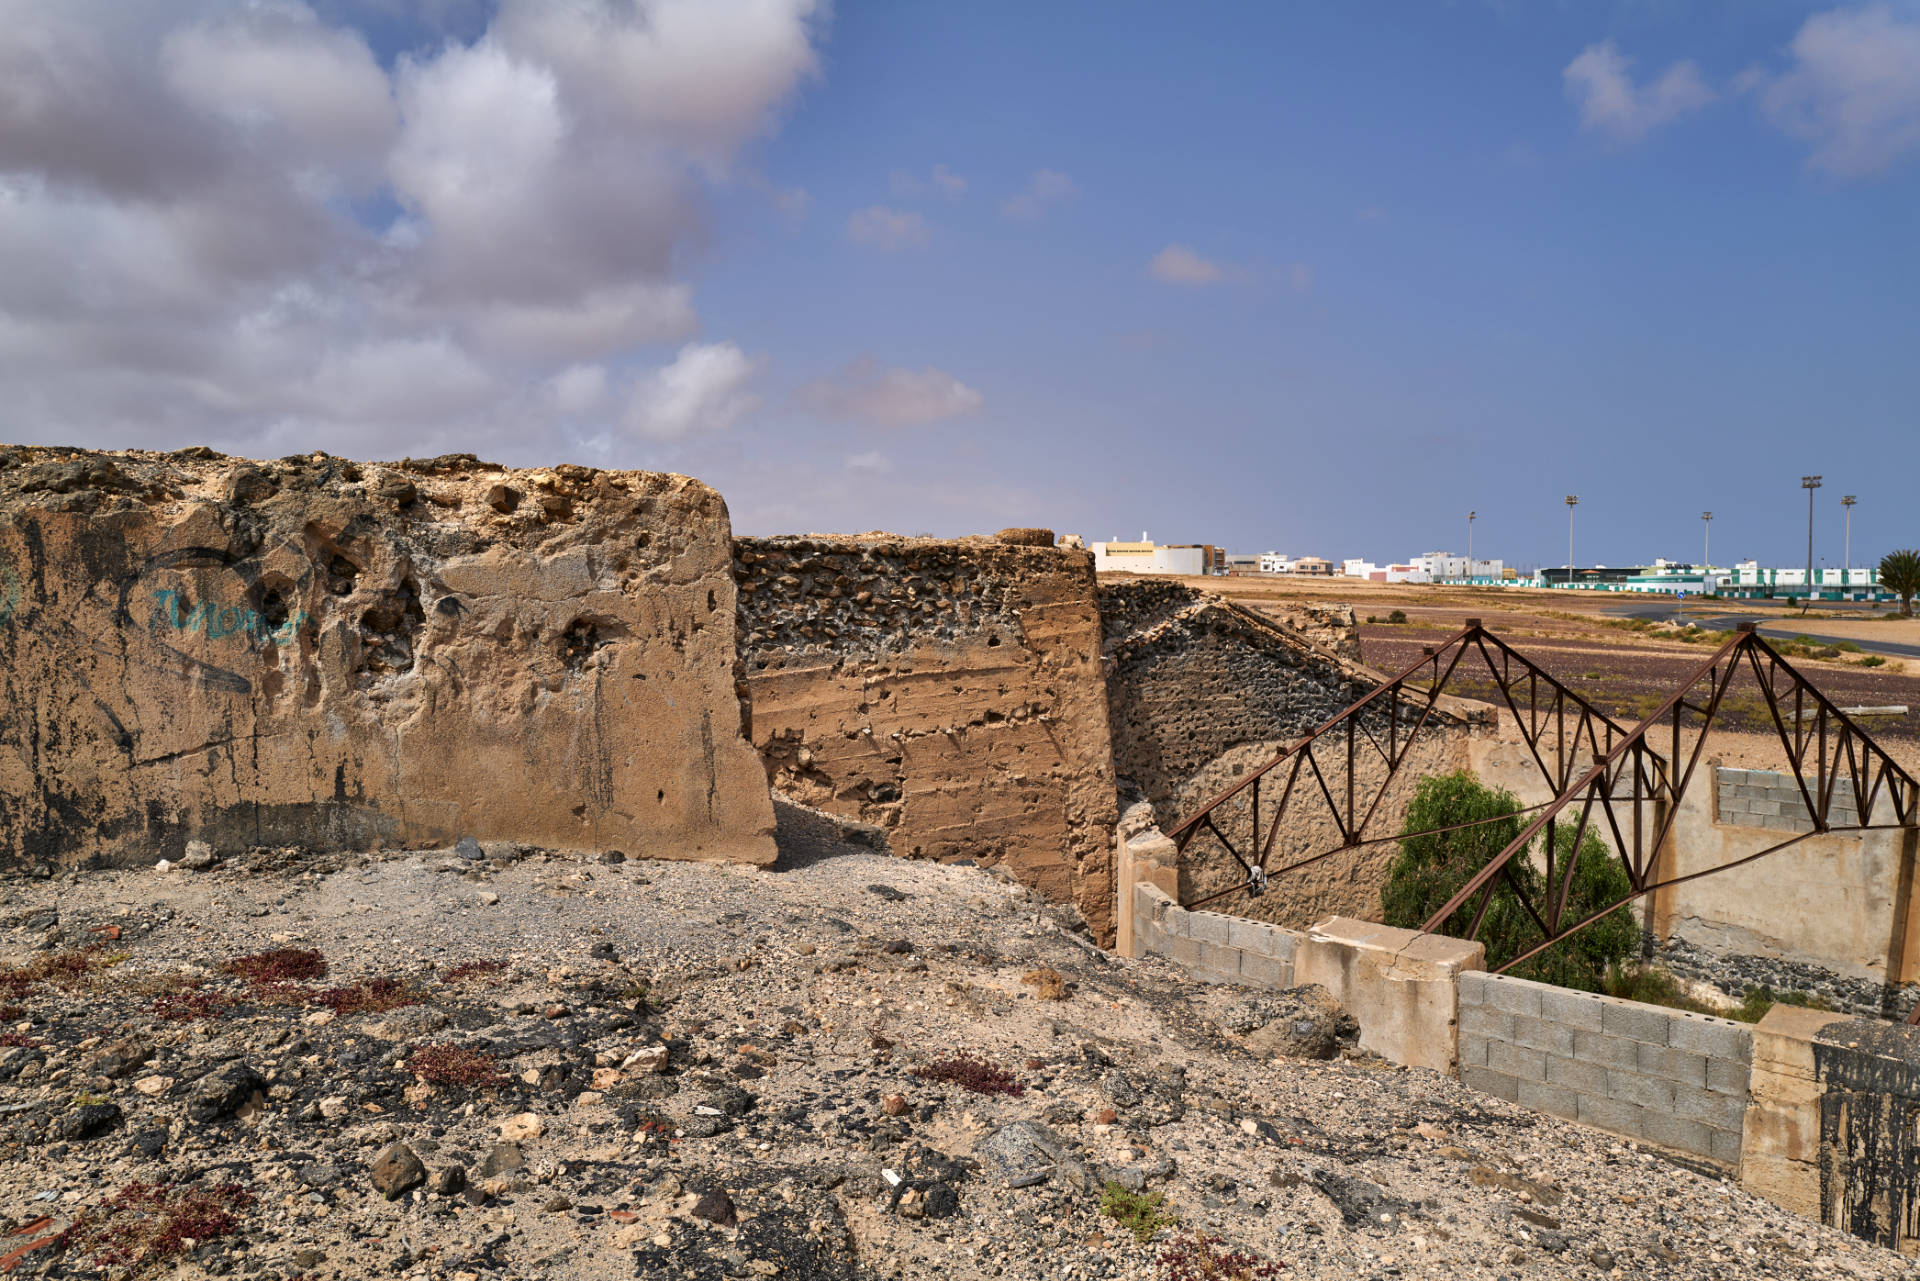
{"type": "Point", "coordinates": [1900, 574]}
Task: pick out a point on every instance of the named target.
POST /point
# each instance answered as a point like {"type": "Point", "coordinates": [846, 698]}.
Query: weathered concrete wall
{"type": "Point", "coordinates": [1830, 915]}
{"type": "Point", "coordinates": [315, 652]}
{"type": "Point", "coordinates": [1201, 690]}
{"type": "Point", "coordinates": [1665, 1076]}
{"type": "Point", "coordinates": [948, 691]}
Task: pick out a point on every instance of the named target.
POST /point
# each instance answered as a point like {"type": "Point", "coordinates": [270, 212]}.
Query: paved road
{"type": "Point", "coordinates": [1768, 625]}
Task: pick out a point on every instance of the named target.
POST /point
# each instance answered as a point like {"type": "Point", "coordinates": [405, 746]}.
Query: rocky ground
{"type": "Point", "coordinates": [521, 1065]}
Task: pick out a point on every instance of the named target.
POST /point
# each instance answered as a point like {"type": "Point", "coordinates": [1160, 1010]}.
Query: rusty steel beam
{"type": "Point", "coordinates": [1825, 733]}
{"type": "Point", "coordinates": [1539, 703]}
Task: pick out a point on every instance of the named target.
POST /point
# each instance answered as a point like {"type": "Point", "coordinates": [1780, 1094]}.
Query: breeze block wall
{"type": "Point", "coordinates": [1640, 1071]}
{"type": "Point", "coordinates": [322, 653]}
{"type": "Point", "coordinates": [949, 691]}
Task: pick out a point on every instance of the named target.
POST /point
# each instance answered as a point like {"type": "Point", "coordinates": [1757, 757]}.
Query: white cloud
{"type": "Point", "coordinates": [1853, 90]}
{"type": "Point", "coordinates": [185, 247]}
{"type": "Point", "coordinates": [884, 396]}
{"type": "Point", "coordinates": [1610, 103]}
{"type": "Point", "coordinates": [1044, 191]}
{"type": "Point", "coordinates": [887, 229]}
{"type": "Point", "coordinates": [707, 388]}
{"type": "Point", "coordinates": [908, 185]}
{"type": "Point", "coordinates": [579, 390]}
{"type": "Point", "coordinates": [873, 462]}
{"type": "Point", "coordinates": [1180, 265]}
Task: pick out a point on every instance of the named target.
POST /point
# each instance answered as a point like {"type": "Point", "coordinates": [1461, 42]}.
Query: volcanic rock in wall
{"type": "Point", "coordinates": [324, 653]}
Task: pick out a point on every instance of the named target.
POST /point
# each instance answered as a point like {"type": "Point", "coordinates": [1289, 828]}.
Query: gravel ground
{"type": "Point", "coordinates": [525, 1065]}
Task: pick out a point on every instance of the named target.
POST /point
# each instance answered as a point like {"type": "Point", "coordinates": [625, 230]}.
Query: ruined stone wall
{"type": "Point", "coordinates": [1200, 691]}
{"type": "Point", "coordinates": [948, 691]}
{"type": "Point", "coordinates": [315, 652]}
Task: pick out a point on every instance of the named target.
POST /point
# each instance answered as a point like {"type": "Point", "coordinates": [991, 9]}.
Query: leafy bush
{"type": "Point", "coordinates": [1430, 869]}
{"type": "Point", "coordinates": [1141, 1213]}
{"type": "Point", "coordinates": [1397, 616]}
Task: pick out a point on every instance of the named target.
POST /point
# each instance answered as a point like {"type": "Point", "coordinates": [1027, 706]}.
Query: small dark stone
{"type": "Point", "coordinates": [89, 1121]}
{"type": "Point", "coordinates": [716, 1207]}
{"type": "Point", "coordinates": [888, 893]}
{"type": "Point", "coordinates": [603, 952]}
{"type": "Point", "coordinates": [447, 1180]}
{"type": "Point", "coordinates": [396, 1171]}
{"type": "Point", "coordinates": [224, 1091]}
{"type": "Point", "coordinates": [150, 1143]}
{"type": "Point", "coordinates": [468, 848]}
{"type": "Point", "coordinates": [898, 947]}
{"type": "Point", "coordinates": [504, 1158]}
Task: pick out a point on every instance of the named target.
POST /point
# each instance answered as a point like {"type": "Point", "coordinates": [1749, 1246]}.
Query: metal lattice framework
{"type": "Point", "coordinates": [1630, 784]}
{"type": "Point", "coordinates": [1559, 727]}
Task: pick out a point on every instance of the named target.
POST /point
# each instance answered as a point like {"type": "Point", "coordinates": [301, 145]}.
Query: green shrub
{"type": "Point", "coordinates": [1430, 869]}
{"type": "Point", "coordinates": [1397, 616]}
{"type": "Point", "coordinates": [1141, 1213]}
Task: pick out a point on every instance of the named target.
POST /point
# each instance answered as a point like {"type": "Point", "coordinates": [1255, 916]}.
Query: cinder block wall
{"type": "Point", "coordinates": [1641, 1071]}
{"type": "Point", "coordinates": [1764, 798]}
{"type": "Point", "coordinates": [1213, 947]}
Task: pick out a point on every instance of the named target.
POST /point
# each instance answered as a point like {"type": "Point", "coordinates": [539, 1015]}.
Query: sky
{"type": "Point", "coordinates": [1317, 277]}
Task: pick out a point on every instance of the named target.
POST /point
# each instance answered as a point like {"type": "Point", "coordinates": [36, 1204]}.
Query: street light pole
{"type": "Point", "coordinates": [1846, 555]}
{"type": "Point", "coordinates": [1573, 501]}
{"type": "Point", "coordinates": [1706, 548]}
{"type": "Point", "coordinates": [1809, 483]}
{"type": "Point", "coordinates": [1470, 516]}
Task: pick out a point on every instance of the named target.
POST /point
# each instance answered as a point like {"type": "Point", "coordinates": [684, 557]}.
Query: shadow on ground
{"type": "Point", "coordinates": [805, 836]}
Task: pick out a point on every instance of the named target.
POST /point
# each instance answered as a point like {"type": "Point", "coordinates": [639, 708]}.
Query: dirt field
{"type": "Point", "coordinates": [1623, 669]}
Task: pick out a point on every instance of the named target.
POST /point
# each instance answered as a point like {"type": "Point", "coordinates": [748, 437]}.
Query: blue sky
{"type": "Point", "coordinates": [1313, 277]}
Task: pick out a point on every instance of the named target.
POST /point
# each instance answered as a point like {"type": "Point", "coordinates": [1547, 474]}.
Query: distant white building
{"type": "Point", "coordinates": [1444, 566]}
{"type": "Point", "coordinates": [1275, 563]}
{"type": "Point", "coordinates": [1148, 557]}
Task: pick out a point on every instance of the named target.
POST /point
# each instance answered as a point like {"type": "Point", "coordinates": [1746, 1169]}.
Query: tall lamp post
{"type": "Point", "coordinates": [1706, 549]}
{"type": "Point", "coordinates": [1846, 554]}
{"type": "Point", "coordinates": [1470, 516]}
{"type": "Point", "coordinates": [1573, 501]}
{"type": "Point", "coordinates": [1809, 483]}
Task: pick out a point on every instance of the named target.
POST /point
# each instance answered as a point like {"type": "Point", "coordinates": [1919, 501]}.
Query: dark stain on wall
{"type": "Point", "coordinates": [1869, 1115]}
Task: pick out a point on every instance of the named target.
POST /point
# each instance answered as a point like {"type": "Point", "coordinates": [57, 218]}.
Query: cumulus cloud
{"type": "Point", "coordinates": [1047, 189]}
{"type": "Point", "coordinates": [884, 396]}
{"type": "Point", "coordinates": [887, 229]}
{"type": "Point", "coordinates": [231, 222]}
{"type": "Point", "coordinates": [1600, 83]}
{"type": "Point", "coordinates": [1180, 265]}
{"type": "Point", "coordinates": [707, 388]}
{"type": "Point", "coordinates": [1852, 91]}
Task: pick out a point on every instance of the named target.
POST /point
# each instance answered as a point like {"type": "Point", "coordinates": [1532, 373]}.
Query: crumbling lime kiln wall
{"type": "Point", "coordinates": [322, 653]}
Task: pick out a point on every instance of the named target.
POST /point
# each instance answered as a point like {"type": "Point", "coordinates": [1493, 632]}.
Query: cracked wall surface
{"type": "Point", "coordinates": [949, 691]}
{"type": "Point", "coordinates": [318, 652]}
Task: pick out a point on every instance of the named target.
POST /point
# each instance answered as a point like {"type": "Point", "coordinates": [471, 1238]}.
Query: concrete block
{"type": "Point", "coordinates": [1538, 1034]}
{"type": "Point", "coordinates": [1728, 1076]}
{"type": "Point", "coordinates": [1218, 957]}
{"type": "Point", "coordinates": [1473, 988]}
{"type": "Point", "coordinates": [1265, 971]}
{"type": "Point", "coordinates": [1608, 1051]}
{"type": "Point", "coordinates": [1517, 1060]}
{"type": "Point", "coordinates": [1635, 1021]}
{"type": "Point", "coordinates": [1542, 1097]}
{"type": "Point", "coordinates": [1515, 996]}
{"type": "Point", "coordinates": [1210, 927]}
{"type": "Point", "coordinates": [1676, 1132]}
{"type": "Point", "coordinates": [1178, 923]}
{"type": "Point", "coordinates": [1650, 1092]}
{"type": "Point", "coordinates": [1576, 1010]}
{"type": "Point", "coordinates": [1721, 1111]}
{"type": "Point", "coordinates": [1149, 938]}
{"type": "Point", "coordinates": [1714, 1038]}
{"type": "Point", "coordinates": [1182, 950]}
{"type": "Point", "coordinates": [1400, 986]}
{"type": "Point", "coordinates": [1250, 936]}
{"type": "Point", "coordinates": [1673, 1065]}
{"type": "Point", "coordinates": [1791, 1185]}
{"type": "Point", "coordinates": [1498, 1084]}
{"type": "Point", "coordinates": [1484, 1020]}
{"type": "Point", "coordinates": [1783, 1040]}
{"type": "Point", "coordinates": [1610, 1114]}
{"type": "Point", "coordinates": [1576, 1074]}
{"type": "Point", "coordinates": [1473, 1050]}
{"type": "Point", "coordinates": [1726, 1147]}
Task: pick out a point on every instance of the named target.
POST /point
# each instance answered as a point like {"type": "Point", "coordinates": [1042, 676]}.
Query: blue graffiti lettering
{"type": "Point", "coordinates": [218, 622]}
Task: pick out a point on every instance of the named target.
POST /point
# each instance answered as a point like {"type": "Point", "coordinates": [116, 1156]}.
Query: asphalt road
{"type": "Point", "coordinates": [1767, 625]}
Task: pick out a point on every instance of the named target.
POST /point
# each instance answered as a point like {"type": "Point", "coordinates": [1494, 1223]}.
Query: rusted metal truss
{"type": "Point", "coordinates": [1632, 781]}
{"type": "Point", "coordinates": [1824, 749]}
{"type": "Point", "coordinates": [1560, 729]}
